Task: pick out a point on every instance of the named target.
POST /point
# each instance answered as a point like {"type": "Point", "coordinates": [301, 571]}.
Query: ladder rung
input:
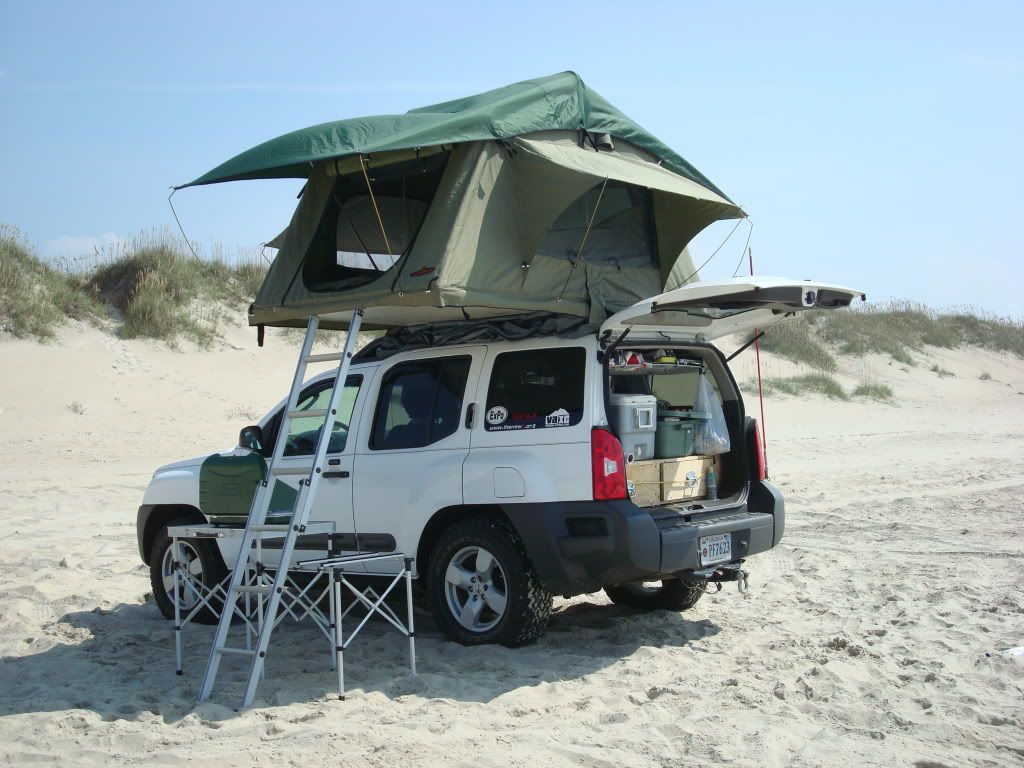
{"type": "Point", "coordinates": [319, 413]}
{"type": "Point", "coordinates": [329, 357]}
{"type": "Point", "coordinates": [269, 528]}
{"type": "Point", "coordinates": [292, 470]}
{"type": "Point", "coordinates": [236, 651]}
{"type": "Point", "coordinates": [254, 589]}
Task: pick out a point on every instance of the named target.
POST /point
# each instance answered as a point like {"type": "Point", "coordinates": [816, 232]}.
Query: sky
{"type": "Point", "coordinates": [876, 145]}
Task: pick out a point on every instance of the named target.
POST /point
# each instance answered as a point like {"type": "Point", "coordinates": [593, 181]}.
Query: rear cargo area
{"type": "Point", "coordinates": [671, 409]}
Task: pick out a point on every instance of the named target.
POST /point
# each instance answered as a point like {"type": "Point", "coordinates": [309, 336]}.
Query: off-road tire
{"type": "Point", "coordinates": [672, 595]}
{"type": "Point", "coordinates": [528, 606]}
{"type": "Point", "coordinates": [213, 571]}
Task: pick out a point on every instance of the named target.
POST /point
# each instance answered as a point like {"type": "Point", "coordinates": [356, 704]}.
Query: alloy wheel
{"type": "Point", "coordinates": [188, 593]}
{"type": "Point", "coordinates": [475, 589]}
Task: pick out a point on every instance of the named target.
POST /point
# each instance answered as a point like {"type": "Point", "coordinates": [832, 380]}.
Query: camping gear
{"type": "Point", "coordinates": [669, 412]}
{"type": "Point", "coordinates": [686, 478]}
{"type": "Point", "coordinates": [660, 480]}
{"type": "Point", "coordinates": [210, 596]}
{"type": "Point", "coordinates": [256, 526]}
{"type": "Point", "coordinates": [539, 196]}
{"type": "Point", "coordinates": [366, 598]}
{"type": "Point", "coordinates": [633, 419]}
{"type": "Point", "coordinates": [329, 575]}
{"type": "Point", "coordinates": [712, 435]}
{"type": "Point", "coordinates": [227, 484]}
{"type": "Point", "coordinates": [677, 428]}
{"type": "Point", "coordinates": [673, 438]}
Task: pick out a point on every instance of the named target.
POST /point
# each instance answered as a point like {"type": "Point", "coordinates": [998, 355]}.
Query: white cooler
{"type": "Point", "coordinates": [635, 420]}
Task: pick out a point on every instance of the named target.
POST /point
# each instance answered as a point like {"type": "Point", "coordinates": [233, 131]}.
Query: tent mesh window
{"type": "Point", "coordinates": [621, 221]}
{"type": "Point", "coordinates": [349, 249]}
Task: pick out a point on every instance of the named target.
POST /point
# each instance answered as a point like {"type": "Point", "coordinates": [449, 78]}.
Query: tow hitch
{"type": "Point", "coordinates": [717, 575]}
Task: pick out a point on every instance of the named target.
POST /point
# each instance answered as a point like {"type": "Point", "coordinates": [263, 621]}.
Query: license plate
{"type": "Point", "coordinates": [715, 549]}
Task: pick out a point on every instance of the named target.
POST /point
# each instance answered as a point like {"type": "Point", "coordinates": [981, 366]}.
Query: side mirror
{"type": "Point", "coordinates": [251, 437]}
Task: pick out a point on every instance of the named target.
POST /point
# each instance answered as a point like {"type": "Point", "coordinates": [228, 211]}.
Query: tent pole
{"type": "Point", "coordinates": [583, 242]}
{"type": "Point", "coordinates": [376, 210]}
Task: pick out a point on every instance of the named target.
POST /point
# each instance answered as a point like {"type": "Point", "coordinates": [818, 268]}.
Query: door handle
{"type": "Point", "coordinates": [469, 415]}
{"type": "Point", "coordinates": [336, 473]}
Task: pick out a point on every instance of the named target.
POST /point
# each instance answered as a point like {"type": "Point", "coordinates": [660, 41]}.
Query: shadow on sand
{"type": "Point", "coordinates": [120, 663]}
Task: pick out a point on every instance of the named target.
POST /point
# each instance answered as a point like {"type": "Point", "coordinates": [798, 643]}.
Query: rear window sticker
{"type": "Point", "coordinates": [497, 415]}
{"type": "Point", "coordinates": [559, 418]}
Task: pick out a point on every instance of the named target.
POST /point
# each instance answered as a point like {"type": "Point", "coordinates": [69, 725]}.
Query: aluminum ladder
{"type": "Point", "coordinates": [256, 523]}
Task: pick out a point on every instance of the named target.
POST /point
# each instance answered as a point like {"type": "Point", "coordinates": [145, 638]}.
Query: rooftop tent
{"type": "Point", "coordinates": [539, 196]}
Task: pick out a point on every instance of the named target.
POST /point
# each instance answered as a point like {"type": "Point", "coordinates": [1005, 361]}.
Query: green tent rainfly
{"type": "Point", "coordinates": [536, 197]}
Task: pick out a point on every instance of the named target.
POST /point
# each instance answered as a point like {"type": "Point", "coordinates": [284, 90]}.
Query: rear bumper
{"type": "Point", "coordinates": [751, 533]}
{"type": "Point", "coordinates": [582, 546]}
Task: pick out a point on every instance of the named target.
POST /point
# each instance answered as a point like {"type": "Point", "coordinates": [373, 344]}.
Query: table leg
{"type": "Point", "coordinates": [408, 602]}
{"type": "Point", "coordinates": [339, 644]}
{"type": "Point", "coordinates": [176, 580]}
{"type": "Point", "coordinates": [334, 612]}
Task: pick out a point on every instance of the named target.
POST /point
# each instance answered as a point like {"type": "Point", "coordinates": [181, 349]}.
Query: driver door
{"type": "Point", "coordinates": [333, 502]}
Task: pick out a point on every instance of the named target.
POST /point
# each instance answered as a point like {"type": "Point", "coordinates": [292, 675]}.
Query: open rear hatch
{"type": "Point", "coordinates": [671, 401]}
{"type": "Point", "coordinates": [706, 311]}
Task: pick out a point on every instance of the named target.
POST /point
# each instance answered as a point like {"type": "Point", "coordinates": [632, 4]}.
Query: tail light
{"type": "Point", "coordinates": [609, 465]}
{"type": "Point", "coordinates": [760, 465]}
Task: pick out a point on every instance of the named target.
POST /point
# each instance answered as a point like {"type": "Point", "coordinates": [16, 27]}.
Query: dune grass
{"type": "Point", "coordinates": [34, 297]}
{"type": "Point", "coordinates": [873, 391]}
{"type": "Point", "coordinates": [152, 284]}
{"type": "Point", "coordinates": [794, 340]}
{"type": "Point", "coordinates": [900, 327]}
{"type": "Point", "coordinates": [810, 383]}
{"type": "Point", "coordinates": [164, 292]}
{"type": "Point", "coordinates": [897, 329]}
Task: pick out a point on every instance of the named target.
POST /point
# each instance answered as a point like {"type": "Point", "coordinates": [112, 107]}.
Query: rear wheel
{"type": "Point", "coordinates": [202, 566]}
{"type": "Point", "coordinates": [666, 595]}
{"type": "Point", "coordinates": [482, 587]}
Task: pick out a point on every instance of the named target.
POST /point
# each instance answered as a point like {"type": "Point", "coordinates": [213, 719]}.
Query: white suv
{"type": "Point", "coordinates": [493, 462]}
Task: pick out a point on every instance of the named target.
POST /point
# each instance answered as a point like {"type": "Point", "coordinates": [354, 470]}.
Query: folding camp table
{"type": "Point", "coordinates": [298, 602]}
{"type": "Point", "coordinates": [328, 575]}
{"type": "Point", "coordinates": [339, 568]}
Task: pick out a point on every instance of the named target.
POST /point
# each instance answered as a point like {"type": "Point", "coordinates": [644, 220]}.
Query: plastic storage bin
{"type": "Point", "coordinates": [674, 437]}
{"type": "Point", "coordinates": [634, 419]}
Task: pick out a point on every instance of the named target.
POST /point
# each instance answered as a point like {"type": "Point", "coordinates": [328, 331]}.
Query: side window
{"type": "Point", "coordinates": [536, 389]}
{"type": "Point", "coordinates": [420, 403]}
{"type": "Point", "coordinates": [612, 223]}
{"type": "Point", "coordinates": [304, 431]}
{"type": "Point", "coordinates": [348, 249]}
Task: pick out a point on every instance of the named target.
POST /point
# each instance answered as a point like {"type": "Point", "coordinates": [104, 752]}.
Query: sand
{"type": "Point", "coordinates": [871, 636]}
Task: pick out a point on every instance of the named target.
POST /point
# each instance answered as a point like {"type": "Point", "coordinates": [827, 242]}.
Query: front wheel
{"type": "Point", "coordinates": [668, 595]}
{"type": "Point", "coordinates": [482, 587]}
{"type": "Point", "coordinates": [202, 566]}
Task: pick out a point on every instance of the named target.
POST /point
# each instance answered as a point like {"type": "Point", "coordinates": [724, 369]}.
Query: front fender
{"type": "Point", "coordinates": [178, 486]}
